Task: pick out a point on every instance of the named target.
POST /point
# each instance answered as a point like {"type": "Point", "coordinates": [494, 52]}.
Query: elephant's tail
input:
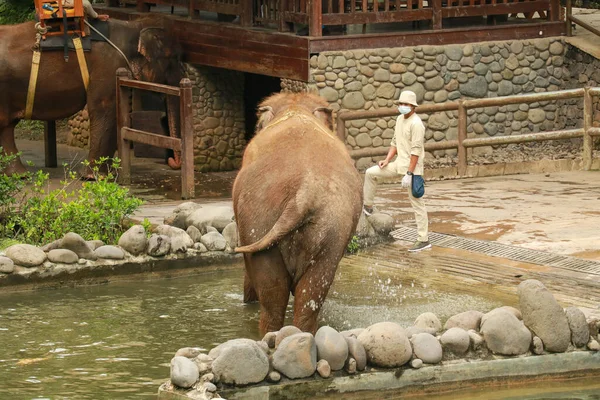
{"type": "Point", "coordinates": [291, 218]}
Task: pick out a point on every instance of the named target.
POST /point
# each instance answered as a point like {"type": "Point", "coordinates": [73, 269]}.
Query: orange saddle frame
{"type": "Point", "coordinates": [50, 16]}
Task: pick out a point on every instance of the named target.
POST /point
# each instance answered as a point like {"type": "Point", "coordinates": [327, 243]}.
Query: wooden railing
{"type": "Point", "coordinates": [570, 19]}
{"type": "Point", "coordinates": [462, 106]}
{"type": "Point", "coordinates": [126, 135]}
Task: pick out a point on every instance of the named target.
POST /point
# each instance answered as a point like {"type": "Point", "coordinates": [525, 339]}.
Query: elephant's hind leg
{"type": "Point", "coordinates": [250, 295]}
{"type": "Point", "coordinates": [271, 282]}
{"type": "Point", "coordinates": [7, 142]}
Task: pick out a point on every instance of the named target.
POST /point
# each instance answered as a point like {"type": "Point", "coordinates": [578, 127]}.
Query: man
{"type": "Point", "coordinates": [88, 9]}
{"type": "Point", "coordinates": [408, 144]}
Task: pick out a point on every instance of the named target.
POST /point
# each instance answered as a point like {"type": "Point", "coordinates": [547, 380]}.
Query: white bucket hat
{"type": "Point", "coordinates": [408, 97]}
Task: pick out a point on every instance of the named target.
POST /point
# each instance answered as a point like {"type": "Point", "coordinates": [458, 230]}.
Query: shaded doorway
{"type": "Point", "coordinates": [256, 88]}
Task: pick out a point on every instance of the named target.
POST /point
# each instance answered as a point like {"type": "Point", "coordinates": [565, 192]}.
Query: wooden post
{"type": "Point", "coordinates": [141, 6]}
{"type": "Point", "coordinates": [568, 18]}
{"type": "Point", "coordinates": [187, 139]}
{"type": "Point", "coordinates": [437, 15]}
{"type": "Point", "coordinates": [554, 10]}
{"type": "Point", "coordinates": [587, 124]}
{"type": "Point", "coordinates": [246, 13]}
{"type": "Point", "coordinates": [315, 20]}
{"type": "Point", "coordinates": [462, 135]}
{"type": "Point", "coordinates": [341, 128]}
{"type": "Point", "coordinates": [50, 144]}
{"type": "Point", "coordinates": [123, 120]}
{"type": "Point", "coordinates": [191, 9]}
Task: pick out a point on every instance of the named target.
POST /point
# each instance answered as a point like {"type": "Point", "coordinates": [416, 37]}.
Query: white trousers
{"type": "Point", "coordinates": [375, 175]}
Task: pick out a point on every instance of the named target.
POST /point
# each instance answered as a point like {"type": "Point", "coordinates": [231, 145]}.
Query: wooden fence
{"type": "Point", "coordinates": [463, 143]}
{"type": "Point", "coordinates": [126, 135]}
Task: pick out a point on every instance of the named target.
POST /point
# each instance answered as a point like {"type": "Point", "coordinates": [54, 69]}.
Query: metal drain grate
{"type": "Point", "coordinates": [503, 250]}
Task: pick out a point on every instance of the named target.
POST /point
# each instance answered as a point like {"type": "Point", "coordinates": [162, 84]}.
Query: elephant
{"type": "Point", "coordinates": [153, 55]}
{"type": "Point", "coordinates": [297, 200]}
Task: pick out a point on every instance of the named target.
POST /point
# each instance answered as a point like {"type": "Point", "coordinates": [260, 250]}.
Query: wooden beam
{"type": "Point", "coordinates": [315, 23]}
{"type": "Point", "coordinates": [153, 87]}
{"type": "Point", "coordinates": [495, 9]}
{"type": "Point", "coordinates": [380, 17]}
{"type": "Point", "coordinates": [152, 139]}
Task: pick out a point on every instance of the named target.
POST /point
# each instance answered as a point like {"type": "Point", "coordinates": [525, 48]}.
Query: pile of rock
{"type": "Point", "coordinates": [79, 132]}
{"type": "Point", "coordinates": [540, 326]}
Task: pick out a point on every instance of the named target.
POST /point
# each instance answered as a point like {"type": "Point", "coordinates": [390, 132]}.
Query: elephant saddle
{"type": "Point", "coordinates": [59, 19]}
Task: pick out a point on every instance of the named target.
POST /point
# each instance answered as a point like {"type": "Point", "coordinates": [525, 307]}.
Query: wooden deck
{"type": "Point", "coordinates": [277, 37]}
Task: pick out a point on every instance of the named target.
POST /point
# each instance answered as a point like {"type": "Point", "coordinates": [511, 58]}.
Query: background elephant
{"type": "Point", "coordinates": [60, 92]}
{"type": "Point", "coordinates": [297, 200]}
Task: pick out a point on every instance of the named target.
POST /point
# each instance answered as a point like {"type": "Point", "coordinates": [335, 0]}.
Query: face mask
{"type": "Point", "coordinates": [404, 110]}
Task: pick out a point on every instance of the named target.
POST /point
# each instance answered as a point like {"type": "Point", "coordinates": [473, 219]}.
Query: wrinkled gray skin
{"type": "Point", "coordinates": [60, 92]}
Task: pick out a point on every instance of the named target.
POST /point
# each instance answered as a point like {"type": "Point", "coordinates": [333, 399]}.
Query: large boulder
{"type": "Point", "coordinates": [357, 352]}
{"type": "Point", "coordinates": [466, 320]}
{"type": "Point", "coordinates": [296, 356]}
{"type": "Point", "coordinates": [427, 348]}
{"type": "Point", "coordinates": [94, 244]}
{"type": "Point", "coordinates": [352, 332]}
{"type": "Point", "coordinates": [544, 316]}
{"type": "Point", "coordinates": [230, 233]}
{"type": "Point", "coordinates": [62, 256]}
{"type": "Point", "coordinates": [331, 346]}
{"type": "Point", "coordinates": [134, 241]}
{"type": "Point", "coordinates": [383, 224]}
{"type": "Point", "coordinates": [428, 321]}
{"type": "Point", "coordinates": [284, 332]}
{"type": "Point", "coordinates": [456, 340]}
{"type": "Point", "coordinates": [505, 334]}
{"type": "Point", "coordinates": [26, 255]}
{"type": "Point", "coordinates": [214, 241]}
{"type": "Point", "coordinates": [179, 215]}
{"type": "Point", "coordinates": [217, 217]}
{"type": "Point", "coordinates": [184, 372]}
{"type": "Point", "coordinates": [7, 266]}
{"type": "Point", "coordinates": [241, 364]}
{"type": "Point", "coordinates": [194, 233]}
{"type": "Point", "coordinates": [75, 243]}
{"type": "Point", "coordinates": [110, 252]}
{"type": "Point", "coordinates": [159, 245]}
{"type": "Point", "coordinates": [216, 352]}
{"type": "Point", "coordinates": [180, 240]}
{"type": "Point", "coordinates": [386, 345]}
{"type": "Point", "coordinates": [580, 333]}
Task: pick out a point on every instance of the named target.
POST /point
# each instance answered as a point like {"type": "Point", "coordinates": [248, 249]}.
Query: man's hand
{"type": "Point", "coordinates": [406, 181]}
{"type": "Point", "coordinates": [383, 163]}
{"type": "Point", "coordinates": [103, 17]}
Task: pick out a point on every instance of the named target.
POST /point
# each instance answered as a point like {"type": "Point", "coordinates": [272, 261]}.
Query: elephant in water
{"type": "Point", "coordinates": [297, 200]}
{"type": "Point", "coordinates": [60, 91]}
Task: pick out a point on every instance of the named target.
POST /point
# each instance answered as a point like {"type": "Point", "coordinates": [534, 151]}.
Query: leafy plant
{"type": "Point", "coordinates": [95, 210]}
{"type": "Point", "coordinates": [147, 226]}
{"type": "Point", "coordinates": [15, 11]}
{"type": "Point", "coordinates": [9, 186]}
{"type": "Point", "coordinates": [353, 245]}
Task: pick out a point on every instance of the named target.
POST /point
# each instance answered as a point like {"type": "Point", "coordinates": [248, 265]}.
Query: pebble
{"type": "Point", "coordinates": [416, 363]}
{"type": "Point", "coordinates": [323, 368]}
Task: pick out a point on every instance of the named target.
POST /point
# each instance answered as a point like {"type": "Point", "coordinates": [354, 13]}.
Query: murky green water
{"type": "Point", "coordinates": [115, 341]}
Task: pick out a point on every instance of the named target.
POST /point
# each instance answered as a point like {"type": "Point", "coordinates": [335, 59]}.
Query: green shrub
{"type": "Point", "coordinates": [353, 245]}
{"type": "Point", "coordinates": [9, 187]}
{"type": "Point", "coordinates": [16, 11]}
{"type": "Point", "coordinates": [94, 211]}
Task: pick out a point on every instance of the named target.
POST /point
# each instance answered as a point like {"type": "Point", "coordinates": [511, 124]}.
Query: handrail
{"type": "Point", "coordinates": [569, 18]}
{"type": "Point", "coordinates": [462, 106]}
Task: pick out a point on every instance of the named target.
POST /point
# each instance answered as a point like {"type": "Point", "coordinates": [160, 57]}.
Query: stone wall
{"type": "Point", "coordinates": [219, 130]}
{"type": "Point", "coordinates": [370, 79]}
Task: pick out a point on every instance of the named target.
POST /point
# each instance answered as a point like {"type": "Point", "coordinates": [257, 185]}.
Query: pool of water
{"type": "Point", "coordinates": [116, 341]}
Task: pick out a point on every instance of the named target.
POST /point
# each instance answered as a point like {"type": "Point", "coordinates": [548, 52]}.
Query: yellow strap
{"type": "Point", "coordinates": [82, 63]}
{"type": "Point", "coordinates": [35, 68]}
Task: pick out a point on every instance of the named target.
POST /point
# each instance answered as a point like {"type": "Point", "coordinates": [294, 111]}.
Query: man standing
{"type": "Point", "coordinates": [408, 144]}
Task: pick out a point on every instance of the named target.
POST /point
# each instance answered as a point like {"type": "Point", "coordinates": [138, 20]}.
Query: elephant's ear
{"type": "Point", "coordinates": [265, 115]}
{"type": "Point", "coordinates": [325, 115]}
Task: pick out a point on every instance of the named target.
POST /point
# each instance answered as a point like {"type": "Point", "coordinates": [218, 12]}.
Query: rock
{"type": "Point", "coordinates": [386, 345]}
{"type": "Point", "coordinates": [352, 332]}
{"type": "Point", "coordinates": [269, 339]}
{"type": "Point", "coordinates": [109, 252]}
{"type": "Point", "coordinates": [477, 87]}
{"type": "Point", "coordinates": [456, 340]}
{"type": "Point", "coordinates": [476, 340]}
{"type": "Point", "coordinates": [217, 217]}
{"type": "Point", "coordinates": [184, 373]}
{"type": "Point", "coordinates": [134, 240]}
{"type": "Point", "coordinates": [537, 115]}
{"type": "Point", "coordinates": [383, 224]}
{"type": "Point", "coordinates": [75, 243]}
{"type": "Point", "coordinates": [357, 352]}
{"type": "Point", "coordinates": [180, 240]}
{"type": "Point", "coordinates": [200, 247]}
{"type": "Point", "coordinates": [428, 321]}
{"type": "Point", "coordinates": [274, 377]}
{"type": "Point", "coordinates": [284, 332]}
{"type": "Point", "coordinates": [544, 316]}
{"type": "Point", "coordinates": [466, 320]}
{"type": "Point", "coordinates": [413, 330]}
{"type": "Point", "coordinates": [331, 346]}
{"type": "Point", "coordinates": [180, 214]}
{"type": "Point", "coordinates": [210, 387]}
{"type": "Point", "coordinates": [593, 345]}
{"type": "Point", "coordinates": [7, 266]}
{"type": "Point", "coordinates": [580, 334]}
{"type": "Point", "coordinates": [211, 229]}
{"type": "Point", "coordinates": [416, 363]}
{"type": "Point", "coordinates": [556, 48]}
{"type": "Point", "coordinates": [296, 356]}
{"type": "Point", "coordinates": [26, 255]}
{"type": "Point", "coordinates": [427, 348]}
{"type": "Point", "coordinates": [194, 233]}
{"type": "Point", "coordinates": [242, 363]}
{"type": "Point", "coordinates": [505, 334]}
{"type": "Point", "coordinates": [52, 246]}
{"type": "Point", "coordinates": [216, 352]}
{"type": "Point", "coordinates": [350, 366]}
{"type": "Point", "coordinates": [188, 352]}
{"type": "Point", "coordinates": [323, 368]}
{"type": "Point", "coordinates": [94, 244]}
{"type": "Point", "coordinates": [438, 122]}
{"type": "Point", "coordinates": [159, 245]}
{"type": "Point", "coordinates": [513, 311]}
{"type": "Point", "coordinates": [593, 327]}
{"type": "Point", "coordinates": [353, 101]}
{"type": "Point", "coordinates": [214, 241]}
{"type": "Point", "coordinates": [230, 233]}
{"type": "Point", "coordinates": [64, 256]}
{"type": "Point", "coordinates": [538, 346]}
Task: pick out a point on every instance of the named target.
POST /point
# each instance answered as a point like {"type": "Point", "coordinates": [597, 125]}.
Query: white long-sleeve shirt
{"type": "Point", "coordinates": [409, 139]}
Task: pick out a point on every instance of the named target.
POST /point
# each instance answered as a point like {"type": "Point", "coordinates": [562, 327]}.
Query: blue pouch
{"type": "Point", "coordinates": [418, 186]}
